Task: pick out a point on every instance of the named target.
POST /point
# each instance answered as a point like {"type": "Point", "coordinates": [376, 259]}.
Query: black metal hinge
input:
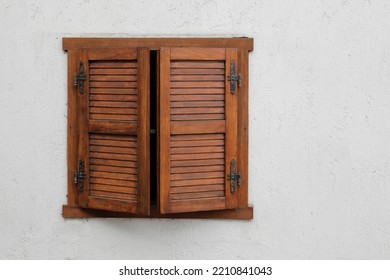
{"type": "Point", "coordinates": [233, 78]}
{"type": "Point", "coordinates": [79, 176]}
{"type": "Point", "coordinates": [80, 78]}
{"type": "Point", "coordinates": [233, 176]}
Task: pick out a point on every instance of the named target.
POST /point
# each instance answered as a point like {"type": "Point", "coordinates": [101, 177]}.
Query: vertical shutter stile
{"type": "Point", "coordinates": [198, 129]}
{"type": "Point", "coordinates": [82, 126]}
{"type": "Point", "coordinates": [231, 127]}
{"type": "Point", "coordinates": [164, 130]}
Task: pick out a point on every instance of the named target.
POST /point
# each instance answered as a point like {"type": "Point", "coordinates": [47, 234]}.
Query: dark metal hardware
{"type": "Point", "coordinates": [233, 176]}
{"type": "Point", "coordinates": [153, 131]}
{"type": "Point", "coordinates": [78, 177]}
{"type": "Point", "coordinates": [233, 78]}
{"type": "Point", "coordinates": [80, 78]}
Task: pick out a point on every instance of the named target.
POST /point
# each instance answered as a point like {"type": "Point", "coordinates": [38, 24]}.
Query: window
{"type": "Point", "coordinates": [158, 127]}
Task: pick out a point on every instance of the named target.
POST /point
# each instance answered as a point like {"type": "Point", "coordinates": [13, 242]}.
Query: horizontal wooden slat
{"type": "Point", "coordinates": [110, 71]}
{"type": "Point", "coordinates": [197, 162]}
{"type": "Point", "coordinates": [193, 150]}
{"type": "Point", "coordinates": [113, 140]}
{"type": "Point", "coordinates": [116, 169]}
{"type": "Point", "coordinates": [202, 188]}
{"type": "Point", "coordinates": [112, 64]}
{"type": "Point", "coordinates": [188, 91]}
{"type": "Point", "coordinates": [197, 97]}
{"type": "Point", "coordinates": [112, 156]}
{"type": "Point", "coordinates": [197, 104]}
{"type": "Point", "coordinates": [197, 137]}
{"type": "Point", "coordinates": [199, 127]}
{"type": "Point", "coordinates": [216, 84]}
{"type": "Point", "coordinates": [198, 64]}
{"type": "Point", "coordinates": [104, 194]}
{"type": "Point", "coordinates": [113, 91]}
{"type": "Point", "coordinates": [113, 104]}
{"type": "Point", "coordinates": [110, 162]}
{"type": "Point", "coordinates": [103, 54]}
{"type": "Point", "coordinates": [197, 117]}
{"type": "Point", "coordinates": [118, 189]}
{"type": "Point", "coordinates": [198, 204]}
{"type": "Point", "coordinates": [112, 127]}
{"type": "Point", "coordinates": [117, 111]}
{"type": "Point", "coordinates": [115, 84]}
{"type": "Point", "coordinates": [197, 143]}
{"type": "Point", "coordinates": [192, 176]}
{"type": "Point", "coordinates": [113, 117]}
{"type": "Point", "coordinates": [189, 111]}
{"type": "Point", "coordinates": [197, 156]}
{"type": "Point", "coordinates": [197, 71]}
{"type": "Point", "coordinates": [188, 196]}
{"type": "Point", "coordinates": [113, 182]}
{"type": "Point", "coordinates": [113, 97]}
{"type": "Point", "coordinates": [113, 143]}
{"type": "Point", "coordinates": [194, 169]}
{"type": "Point", "coordinates": [197, 78]}
{"type": "Point", "coordinates": [110, 175]}
{"type": "Point", "coordinates": [113, 137]}
{"type": "Point", "coordinates": [114, 150]}
{"type": "Point", "coordinates": [113, 78]}
{"type": "Point", "coordinates": [212, 181]}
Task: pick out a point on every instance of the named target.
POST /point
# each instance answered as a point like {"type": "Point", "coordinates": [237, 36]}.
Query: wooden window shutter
{"type": "Point", "coordinates": [110, 138]}
{"type": "Point", "coordinates": [197, 129]}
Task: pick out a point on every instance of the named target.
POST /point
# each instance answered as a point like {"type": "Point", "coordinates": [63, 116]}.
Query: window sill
{"type": "Point", "coordinates": [239, 213]}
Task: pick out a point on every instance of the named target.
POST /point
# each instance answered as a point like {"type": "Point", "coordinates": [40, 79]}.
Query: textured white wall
{"type": "Point", "coordinates": [319, 130]}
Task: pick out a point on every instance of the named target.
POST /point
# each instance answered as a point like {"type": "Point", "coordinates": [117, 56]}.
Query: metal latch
{"type": "Point", "coordinates": [233, 176]}
{"type": "Point", "coordinates": [233, 78]}
{"type": "Point", "coordinates": [80, 78]}
{"type": "Point", "coordinates": [79, 176]}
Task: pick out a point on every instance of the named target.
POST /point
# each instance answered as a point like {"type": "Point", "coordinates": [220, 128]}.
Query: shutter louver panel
{"type": "Point", "coordinates": [198, 143]}
{"type": "Point", "coordinates": [113, 90]}
{"type": "Point", "coordinates": [113, 166]}
{"type": "Point", "coordinates": [197, 167]}
{"type": "Point", "coordinates": [114, 131]}
{"type": "Point", "coordinates": [197, 93]}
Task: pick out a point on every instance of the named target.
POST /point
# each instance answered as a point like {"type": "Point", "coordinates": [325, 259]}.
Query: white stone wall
{"type": "Point", "coordinates": [319, 112]}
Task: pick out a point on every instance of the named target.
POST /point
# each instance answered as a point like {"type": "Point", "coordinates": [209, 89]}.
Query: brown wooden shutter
{"type": "Point", "coordinates": [197, 129]}
{"type": "Point", "coordinates": [113, 130]}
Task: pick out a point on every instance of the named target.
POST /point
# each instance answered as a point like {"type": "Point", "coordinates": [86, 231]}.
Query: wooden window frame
{"type": "Point", "coordinates": [243, 46]}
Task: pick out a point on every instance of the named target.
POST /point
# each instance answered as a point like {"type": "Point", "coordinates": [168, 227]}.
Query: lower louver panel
{"type": "Point", "coordinates": [113, 166]}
